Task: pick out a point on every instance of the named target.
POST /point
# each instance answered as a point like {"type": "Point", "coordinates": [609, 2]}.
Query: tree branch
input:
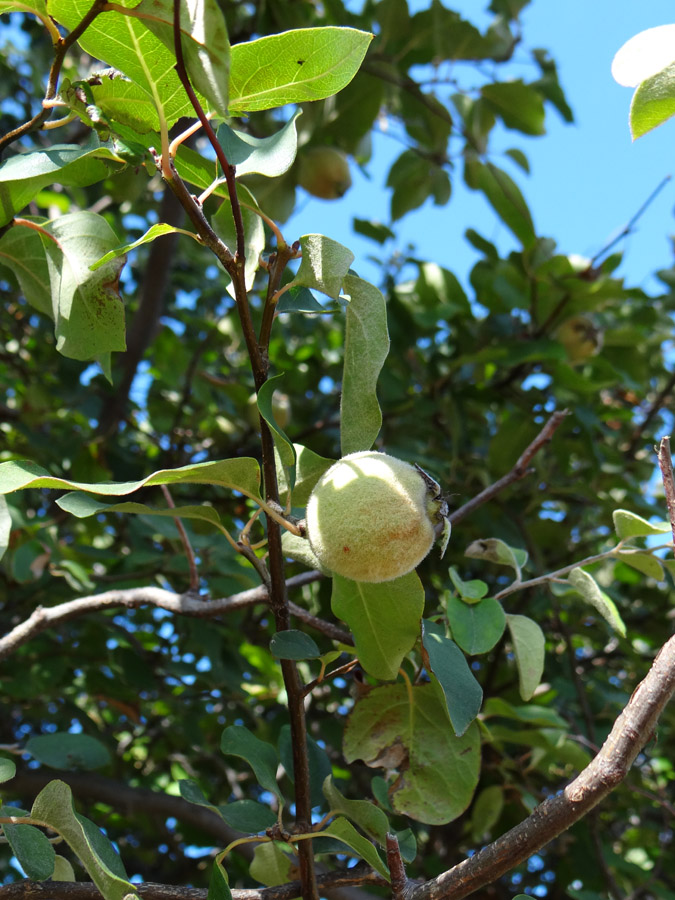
{"type": "Point", "coordinates": [520, 470]}
{"type": "Point", "coordinates": [44, 618]}
{"type": "Point", "coordinates": [632, 729]}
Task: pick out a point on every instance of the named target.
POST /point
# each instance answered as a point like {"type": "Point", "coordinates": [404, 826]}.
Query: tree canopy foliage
{"type": "Point", "coordinates": [190, 700]}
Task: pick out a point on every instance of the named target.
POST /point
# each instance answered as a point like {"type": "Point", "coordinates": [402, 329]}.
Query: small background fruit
{"type": "Point", "coordinates": [371, 517]}
{"type": "Point", "coordinates": [580, 337]}
{"type": "Point", "coordinates": [324, 172]}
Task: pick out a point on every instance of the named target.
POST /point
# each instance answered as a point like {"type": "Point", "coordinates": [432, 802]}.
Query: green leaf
{"type": "Point", "coordinates": [270, 865]}
{"type": "Point", "coordinates": [529, 645]}
{"type": "Point", "coordinates": [23, 252]}
{"type": "Point", "coordinates": [324, 264]}
{"type": "Point", "coordinates": [366, 348]}
{"type": "Point", "coordinates": [54, 805]}
{"type": "Point", "coordinates": [497, 551]}
{"type": "Point", "coordinates": [30, 846]}
{"type": "Point", "coordinates": [486, 811]}
{"type": "Point", "coordinates": [653, 102]}
{"type": "Point", "coordinates": [630, 525]}
{"type": "Point", "coordinates": [191, 791]}
{"type": "Point", "coordinates": [219, 885]}
{"type": "Point", "coordinates": [519, 158]}
{"type": "Point", "coordinates": [299, 300]}
{"type": "Point", "coordinates": [309, 467]}
{"type": "Point", "coordinates": [5, 526]}
{"type": "Point", "coordinates": [254, 232]}
{"type": "Point", "coordinates": [82, 505]}
{"type": "Point", "coordinates": [87, 309]}
{"type": "Point", "coordinates": [504, 195]}
{"type": "Point", "coordinates": [126, 43]}
{"type": "Point", "coordinates": [384, 618]}
{"type": "Point", "coordinates": [68, 751]}
{"type": "Point", "coordinates": [294, 66]}
{"type": "Point", "coordinates": [7, 769]}
{"type": "Point", "coordinates": [282, 443]}
{"type": "Point", "coordinates": [437, 772]}
{"type": "Point", "coordinates": [237, 740]}
{"type": "Point", "coordinates": [376, 231]}
{"type": "Point", "coordinates": [270, 156]}
{"type": "Point", "coordinates": [153, 232]}
{"type": "Point", "coordinates": [319, 764]}
{"type": "Point", "coordinates": [644, 562]}
{"type": "Point", "coordinates": [206, 48]}
{"type": "Point", "coordinates": [63, 871]}
{"type": "Point", "coordinates": [344, 831]}
{"type": "Point", "coordinates": [363, 813]}
{"type": "Point", "coordinates": [24, 175]}
{"type": "Point", "coordinates": [241, 474]}
{"type": "Point", "coordinates": [414, 179]}
{"type": "Point", "coordinates": [463, 695]}
{"type": "Point", "coordinates": [478, 627]}
{"type": "Point", "coordinates": [248, 816]}
{"type": "Point", "coordinates": [518, 105]}
{"type": "Point", "coordinates": [469, 591]}
{"type": "Point", "coordinates": [8, 6]}
{"type": "Point", "coordinates": [587, 586]}
{"type": "Point", "coordinates": [292, 644]}
{"type": "Point", "coordinates": [299, 549]}
{"type": "Point", "coordinates": [122, 102]}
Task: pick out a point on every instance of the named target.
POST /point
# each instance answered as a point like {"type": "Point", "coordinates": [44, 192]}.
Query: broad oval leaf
{"type": "Point", "coordinates": [248, 816]}
{"type": "Point", "coordinates": [476, 627]}
{"type": "Point", "coordinates": [30, 846]}
{"type": "Point", "coordinates": [529, 647]}
{"type": "Point", "coordinates": [469, 591]}
{"type": "Point", "coordinates": [254, 232]}
{"type": "Point", "coordinates": [292, 644]}
{"type": "Point", "coordinates": [270, 865]}
{"type": "Point", "coordinates": [366, 348]}
{"type": "Point", "coordinates": [324, 264]}
{"type": "Point", "coordinates": [191, 791]}
{"type": "Point", "coordinates": [486, 811]}
{"type": "Point", "coordinates": [505, 197]}
{"type": "Point", "coordinates": [383, 617]}
{"type": "Point", "coordinates": [294, 66]}
{"type": "Point", "coordinates": [270, 156]}
{"type": "Point", "coordinates": [653, 102]}
{"type": "Point", "coordinates": [344, 831]}
{"type": "Point", "coordinates": [366, 815]}
{"type": "Point", "coordinates": [7, 769]}
{"type": "Point", "coordinates": [497, 551]}
{"type": "Point", "coordinates": [68, 751]}
{"type": "Point", "coordinates": [437, 772]}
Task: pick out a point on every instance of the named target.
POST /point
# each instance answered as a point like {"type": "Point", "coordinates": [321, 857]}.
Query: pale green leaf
{"type": "Point", "coordinates": [7, 769]}
{"type": "Point", "coordinates": [153, 232]}
{"type": "Point", "coordinates": [22, 251]}
{"type": "Point", "coordinates": [63, 870]}
{"type": "Point", "coordinates": [8, 6]}
{"type": "Point", "coordinates": [87, 309]}
{"type": "Point", "coordinates": [344, 831]}
{"type": "Point", "coordinates": [241, 474]}
{"type": "Point", "coordinates": [294, 66]}
{"type": "Point", "coordinates": [254, 233]}
{"type": "Point", "coordinates": [529, 646]}
{"type": "Point", "coordinates": [486, 812]}
{"type": "Point", "coordinates": [324, 264]}
{"type": "Point", "coordinates": [463, 695]}
{"type": "Point", "coordinates": [270, 865]}
{"type": "Point", "coordinates": [469, 591]}
{"type": "Point", "coordinates": [309, 467]}
{"type": "Point", "coordinates": [644, 562]}
{"type": "Point", "coordinates": [54, 805]}
{"type": "Point", "coordinates": [206, 48]}
{"type": "Point", "coordinates": [270, 156]}
{"type": "Point", "coordinates": [384, 618]}
{"type": "Point", "coordinates": [497, 551]}
{"type": "Point", "coordinates": [629, 525]}
{"type": "Point", "coordinates": [366, 348]}
{"type": "Point", "coordinates": [299, 549]}
{"type": "Point", "coordinates": [437, 772]}
{"type": "Point", "coordinates": [587, 586]}
{"type": "Point", "coordinates": [82, 505]}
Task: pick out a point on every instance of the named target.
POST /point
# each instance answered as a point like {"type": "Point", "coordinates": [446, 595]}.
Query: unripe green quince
{"type": "Point", "coordinates": [372, 517]}
{"type": "Point", "coordinates": [324, 172]}
{"type": "Point", "coordinates": [580, 337]}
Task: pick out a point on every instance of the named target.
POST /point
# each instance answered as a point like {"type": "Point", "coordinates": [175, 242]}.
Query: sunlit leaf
{"type": "Point", "coordinates": [587, 586]}
{"type": "Point", "coordinates": [529, 646]}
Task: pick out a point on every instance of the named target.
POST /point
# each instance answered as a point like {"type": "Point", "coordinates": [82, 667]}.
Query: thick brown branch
{"type": "Point", "coordinates": [520, 470]}
{"type": "Point", "coordinates": [633, 728]}
{"type": "Point", "coordinates": [44, 618]}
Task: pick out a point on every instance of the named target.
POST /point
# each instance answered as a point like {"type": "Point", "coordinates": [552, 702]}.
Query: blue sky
{"type": "Point", "coordinates": [587, 179]}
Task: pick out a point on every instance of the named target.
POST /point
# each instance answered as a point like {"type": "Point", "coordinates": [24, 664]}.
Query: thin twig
{"type": "Point", "coordinates": [666, 466]}
{"type": "Point", "coordinates": [520, 469]}
{"type": "Point", "coordinates": [185, 541]}
{"type": "Point", "coordinates": [628, 227]}
{"type": "Point", "coordinates": [61, 47]}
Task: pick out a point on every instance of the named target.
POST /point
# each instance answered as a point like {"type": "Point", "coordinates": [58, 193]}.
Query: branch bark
{"type": "Point", "coordinates": [44, 618]}
{"type": "Point", "coordinates": [632, 729]}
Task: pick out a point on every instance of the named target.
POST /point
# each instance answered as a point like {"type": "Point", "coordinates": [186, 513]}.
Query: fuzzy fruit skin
{"type": "Point", "coordinates": [580, 337]}
{"type": "Point", "coordinates": [324, 173]}
{"type": "Point", "coordinates": [371, 517]}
